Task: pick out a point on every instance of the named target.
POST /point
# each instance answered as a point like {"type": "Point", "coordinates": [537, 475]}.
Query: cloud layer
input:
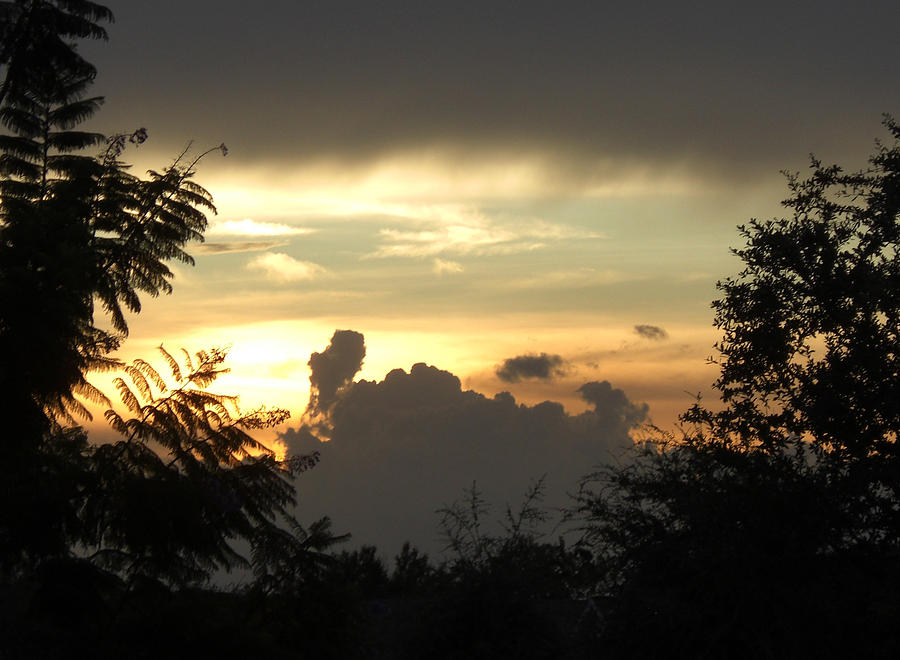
{"type": "Point", "coordinates": [642, 82]}
{"type": "Point", "coordinates": [404, 446]}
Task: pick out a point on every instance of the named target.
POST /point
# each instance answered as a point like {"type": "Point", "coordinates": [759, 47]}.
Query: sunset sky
{"type": "Point", "coordinates": [465, 183]}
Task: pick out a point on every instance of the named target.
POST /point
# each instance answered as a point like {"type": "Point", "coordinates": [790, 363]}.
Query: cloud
{"type": "Point", "coordinates": [402, 447]}
{"type": "Point", "coordinates": [657, 82]}
{"type": "Point", "coordinates": [283, 268]}
{"type": "Point", "coordinates": [334, 369]}
{"type": "Point", "coordinates": [570, 279]}
{"type": "Point", "coordinates": [611, 404]}
{"type": "Point", "coordinates": [471, 232]}
{"type": "Point", "coordinates": [541, 367]}
{"type": "Point", "coordinates": [442, 266]}
{"type": "Point", "coordinates": [250, 227]}
{"type": "Point", "coordinates": [653, 332]}
{"type": "Point", "coordinates": [237, 246]}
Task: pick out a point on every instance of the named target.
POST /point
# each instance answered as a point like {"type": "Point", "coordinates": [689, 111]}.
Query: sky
{"type": "Point", "coordinates": [526, 197]}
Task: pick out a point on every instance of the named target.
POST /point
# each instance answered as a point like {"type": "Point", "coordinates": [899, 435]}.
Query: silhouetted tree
{"type": "Point", "coordinates": [36, 38]}
{"type": "Point", "coordinates": [491, 598]}
{"type": "Point", "coordinates": [186, 480]}
{"type": "Point", "coordinates": [76, 229]}
{"type": "Point", "coordinates": [811, 325]}
{"type": "Point", "coordinates": [94, 537]}
{"type": "Point", "coordinates": [413, 573]}
{"type": "Point", "coordinates": [769, 527]}
{"type": "Point", "coordinates": [287, 558]}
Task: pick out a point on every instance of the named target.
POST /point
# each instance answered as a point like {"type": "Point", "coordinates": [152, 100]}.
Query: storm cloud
{"type": "Point", "coordinates": [404, 446]}
{"type": "Point", "coordinates": [583, 82]}
{"type": "Point", "coordinates": [541, 367]}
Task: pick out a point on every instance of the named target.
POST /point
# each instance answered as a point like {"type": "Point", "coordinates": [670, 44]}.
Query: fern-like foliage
{"type": "Point", "coordinates": [186, 479]}
{"type": "Point", "coordinates": [285, 557]}
{"type": "Point", "coordinates": [79, 233]}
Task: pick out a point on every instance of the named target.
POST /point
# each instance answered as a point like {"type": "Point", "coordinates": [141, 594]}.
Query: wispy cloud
{"type": "Point", "coordinates": [454, 229]}
{"type": "Point", "coordinates": [236, 246]}
{"type": "Point", "coordinates": [251, 227]}
{"type": "Point", "coordinates": [575, 278]}
{"type": "Point", "coordinates": [280, 267]}
{"type": "Point", "coordinates": [443, 266]}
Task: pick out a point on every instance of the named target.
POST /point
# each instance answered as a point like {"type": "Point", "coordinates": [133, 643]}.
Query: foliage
{"type": "Point", "coordinates": [284, 560]}
{"type": "Point", "coordinates": [812, 324]}
{"type": "Point", "coordinates": [76, 230]}
{"type": "Point", "coordinates": [494, 596]}
{"type": "Point", "coordinates": [81, 239]}
{"type": "Point", "coordinates": [769, 527]}
{"type": "Point", "coordinates": [186, 479]}
{"type": "Point", "coordinates": [36, 37]}
{"type": "Point", "coordinates": [413, 573]}
{"type": "Point", "coordinates": [93, 537]}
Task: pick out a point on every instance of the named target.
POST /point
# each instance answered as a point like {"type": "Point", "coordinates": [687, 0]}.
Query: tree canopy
{"type": "Point", "coordinates": [82, 239]}
{"type": "Point", "coordinates": [810, 326]}
{"type": "Point", "coordinates": [768, 526]}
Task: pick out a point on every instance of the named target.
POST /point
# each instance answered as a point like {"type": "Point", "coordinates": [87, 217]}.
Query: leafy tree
{"type": "Point", "coordinates": [94, 537]}
{"type": "Point", "coordinates": [285, 560]}
{"type": "Point", "coordinates": [186, 479]}
{"type": "Point", "coordinates": [413, 574]}
{"type": "Point", "coordinates": [495, 591]}
{"type": "Point", "coordinates": [81, 239]}
{"type": "Point", "coordinates": [35, 38]}
{"type": "Point", "coordinates": [811, 325]}
{"type": "Point", "coordinates": [769, 527]}
{"type": "Point", "coordinates": [76, 230]}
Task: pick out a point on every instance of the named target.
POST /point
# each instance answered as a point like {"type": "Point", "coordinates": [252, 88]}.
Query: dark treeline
{"type": "Point", "coordinates": [768, 526]}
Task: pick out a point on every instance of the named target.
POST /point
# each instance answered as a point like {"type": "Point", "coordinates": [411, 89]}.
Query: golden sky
{"type": "Point", "coordinates": [468, 183]}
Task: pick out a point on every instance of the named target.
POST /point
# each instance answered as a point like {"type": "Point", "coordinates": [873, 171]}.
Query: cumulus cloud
{"type": "Point", "coordinates": [281, 267]}
{"type": "Point", "coordinates": [334, 369]}
{"type": "Point", "coordinates": [251, 227]}
{"type": "Point", "coordinates": [405, 446]}
{"type": "Point", "coordinates": [653, 332]}
{"type": "Point", "coordinates": [541, 367]}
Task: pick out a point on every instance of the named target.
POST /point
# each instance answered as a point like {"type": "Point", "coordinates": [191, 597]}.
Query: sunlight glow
{"type": "Point", "coordinates": [424, 185]}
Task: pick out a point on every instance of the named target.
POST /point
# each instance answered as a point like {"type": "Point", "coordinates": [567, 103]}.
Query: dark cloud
{"type": "Point", "coordinates": [403, 447]}
{"type": "Point", "coordinates": [334, 369]}
{"type": "Point", "coordinates": [541, 367]}
{"type": "Point", "coordinates": [651, 332]}
{"type": "Point", "coordinates": [588, 80]}
{"type": "Point", "coordinates": [236, 246]}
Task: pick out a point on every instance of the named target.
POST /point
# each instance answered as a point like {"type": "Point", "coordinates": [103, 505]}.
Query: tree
{"type": "Point", "coordinates": [811, 326]}
{"type": "Point", "coordinates": [81, 239]}
{"type": "Point", "coordinates": [770, 527]}
{"type": "Point", "coordinates": [186, 479]}
{"type": "Point", "coordinates": [35, 37]}
{"type": "Point", "coordinates": [101, 545]}
{"type": "Point", "coordinates": [75, 230]}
